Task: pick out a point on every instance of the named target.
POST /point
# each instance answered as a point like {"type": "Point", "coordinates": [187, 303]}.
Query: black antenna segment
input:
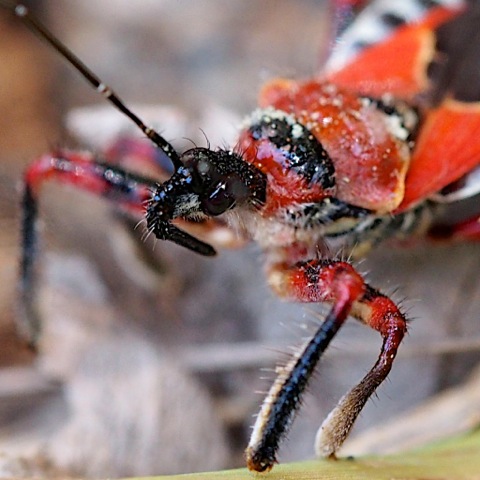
{"type": "Point", "coordinates": [23, 13]}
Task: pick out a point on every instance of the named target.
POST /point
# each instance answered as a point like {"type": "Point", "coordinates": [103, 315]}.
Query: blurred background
{"type": "Point", "coordinates": [150, 360]}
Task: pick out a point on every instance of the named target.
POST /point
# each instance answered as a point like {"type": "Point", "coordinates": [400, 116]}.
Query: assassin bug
{"type": "Point", "coordinates": [355, 156]}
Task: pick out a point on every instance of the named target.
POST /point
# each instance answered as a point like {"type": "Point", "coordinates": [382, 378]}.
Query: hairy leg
{"type": "Point", "coordinates": [338, 283]}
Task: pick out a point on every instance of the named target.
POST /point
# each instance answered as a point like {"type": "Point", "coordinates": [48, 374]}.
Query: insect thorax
{"type": "Point", "coordinates": [314, 195]}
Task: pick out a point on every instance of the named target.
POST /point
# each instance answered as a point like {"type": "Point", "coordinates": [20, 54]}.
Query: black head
{"type": "Point", "coordinates": [206, 183]}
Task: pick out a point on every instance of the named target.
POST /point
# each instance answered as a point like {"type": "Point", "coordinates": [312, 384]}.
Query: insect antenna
{"type": "Point", "coordinates": [23, 13]}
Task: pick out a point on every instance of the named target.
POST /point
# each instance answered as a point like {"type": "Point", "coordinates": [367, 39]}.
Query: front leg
{"type": "Point", "coordinates": [338, 283]}
{"type": "Point", "coordinates": [81, 170]}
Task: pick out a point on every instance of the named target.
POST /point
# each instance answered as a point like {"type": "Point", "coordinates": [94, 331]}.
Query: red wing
{"type": "Point", "coordinates": [398, 65]}
{"type": "Point", "coordinates": [447, 149]}
{"type": "Point", "coordinates": [447, 42]}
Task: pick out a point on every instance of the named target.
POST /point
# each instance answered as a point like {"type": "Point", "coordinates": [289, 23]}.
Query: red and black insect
{"type": "Point", "coordinates": [355, 156]}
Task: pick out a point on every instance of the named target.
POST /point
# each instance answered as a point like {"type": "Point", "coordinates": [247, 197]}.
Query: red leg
{"type": "Point", "coordinates": [81, 170]}
{"type": "Point", "coordinates": [128, 191]}
{"type": "Point", "coordinates": [139, 154]}
{"type": "Point", "coordinates": [84, 171]}
{"type": "Point", "coordinates": [337, 283]}
{"type": "Point", "coordinates": [468, 230]}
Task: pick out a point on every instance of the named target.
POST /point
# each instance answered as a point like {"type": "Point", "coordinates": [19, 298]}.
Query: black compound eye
{"type": "Point", "coordinates": [219, 201]}
{"type": "Point", "coordinates": [220, 180]}
{"type": "Point", "coordinates": [225, 195]}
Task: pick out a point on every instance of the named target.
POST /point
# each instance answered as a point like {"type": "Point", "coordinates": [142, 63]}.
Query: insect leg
{"type": "Point", "coordinates": [337, 283]}
{"type": "Point", "coordinates": [380, 313]}
{"type": "Point", "coordinates": [81, 170]}
{"type": "Point", "coordinates": [468, 230]}
{"type": "Point", "coordinates": [134, 153]}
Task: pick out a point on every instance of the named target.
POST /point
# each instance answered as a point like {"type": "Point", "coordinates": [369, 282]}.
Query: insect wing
{"type": "Point", "coordinates": [398, 65]}
{"type": "Point", "coordinates": [369, 23]}
{"type": "Point", "coordinates": [446, 150]}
